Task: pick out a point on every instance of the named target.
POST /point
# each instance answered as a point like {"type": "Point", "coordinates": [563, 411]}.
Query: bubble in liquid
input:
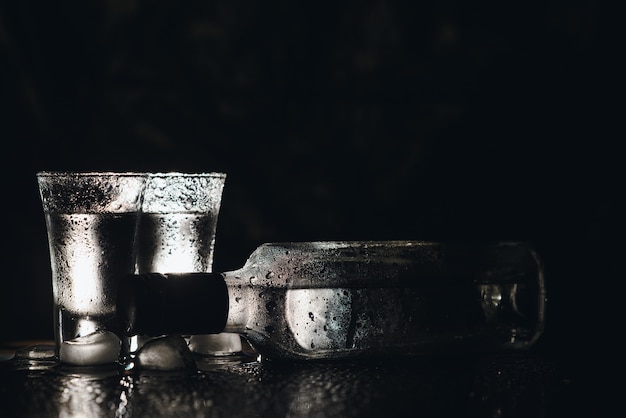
{"type": "Point", "coordinates": [309, 314]}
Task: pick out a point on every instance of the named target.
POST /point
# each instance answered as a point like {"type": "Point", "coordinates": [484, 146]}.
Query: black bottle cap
{"type": "Point", "coordinates": [175, 303]}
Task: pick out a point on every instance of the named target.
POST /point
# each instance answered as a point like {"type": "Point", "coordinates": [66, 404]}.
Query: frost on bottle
{"type": "Point", "coordinates": [340, 299]}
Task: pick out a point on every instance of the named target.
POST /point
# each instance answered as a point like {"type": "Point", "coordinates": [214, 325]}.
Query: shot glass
{"type": "Point", "coordinates": [91, 221]}
{"type": "Point", "coordinates": [177, 234]}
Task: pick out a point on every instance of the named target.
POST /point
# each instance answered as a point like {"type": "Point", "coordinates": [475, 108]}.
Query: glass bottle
{"type": "Point", "coordinates": [319, 300]}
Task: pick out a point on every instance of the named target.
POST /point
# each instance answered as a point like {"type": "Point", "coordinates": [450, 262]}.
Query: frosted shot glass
{"type": "Point", "coordinates": [91, 221]}
{"type": "Point", "coordinates": [177, 234]}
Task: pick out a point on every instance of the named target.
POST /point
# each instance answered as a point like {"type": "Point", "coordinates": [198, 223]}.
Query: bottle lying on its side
{"type": "Point", "coordinates": [319, 300]}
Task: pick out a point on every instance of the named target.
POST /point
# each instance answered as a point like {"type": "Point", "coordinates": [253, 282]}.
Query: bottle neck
{"type": "Point", "coordinates": [184, 303]}
{"type": "Point", "coordinates": [238, 303]}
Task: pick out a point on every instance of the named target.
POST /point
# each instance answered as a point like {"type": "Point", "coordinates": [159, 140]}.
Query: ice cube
{"type": "Point", "coordinates": [101, 347]}
{"type": "Point", "coordinates": [37, 357]}
{"type": "Point", "coordinates": [216, 345]}
{"type": "Point", "coordinates": [165, 353]}
{"type": "Point", "coordinates": [36, 352]}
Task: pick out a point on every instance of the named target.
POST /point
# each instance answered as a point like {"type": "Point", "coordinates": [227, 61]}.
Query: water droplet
{"type": "Point", "coordinates": [311, 316]}
{"type": "Point", "coordinates": [269, 275]}
{"type": "Point", "coordinates": [270, 306]}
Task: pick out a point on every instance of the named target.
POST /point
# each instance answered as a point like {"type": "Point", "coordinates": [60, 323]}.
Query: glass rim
{"type": "Point", "coordinates": [90, 174]}
{"type": "Point", "coordinates": [212, 174]}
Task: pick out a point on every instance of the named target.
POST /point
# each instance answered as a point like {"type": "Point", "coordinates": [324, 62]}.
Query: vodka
{"type": "Point", "coordinates": [91, 252]}
{"type": "Point", "coordinates": [320, 300]}
{"type": "Point", "coordinates": [176, 242]}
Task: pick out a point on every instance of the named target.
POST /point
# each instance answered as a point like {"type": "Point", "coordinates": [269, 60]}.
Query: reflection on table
{"type": "Point", "coordinates": [481, 385]}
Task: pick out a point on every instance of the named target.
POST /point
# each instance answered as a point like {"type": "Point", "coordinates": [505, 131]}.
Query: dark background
{"type": "Point", "coordinates": [352, 120]}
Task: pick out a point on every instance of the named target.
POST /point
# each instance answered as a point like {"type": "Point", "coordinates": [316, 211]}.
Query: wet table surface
{"type": "Point", "coordinates": [494, 385]}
